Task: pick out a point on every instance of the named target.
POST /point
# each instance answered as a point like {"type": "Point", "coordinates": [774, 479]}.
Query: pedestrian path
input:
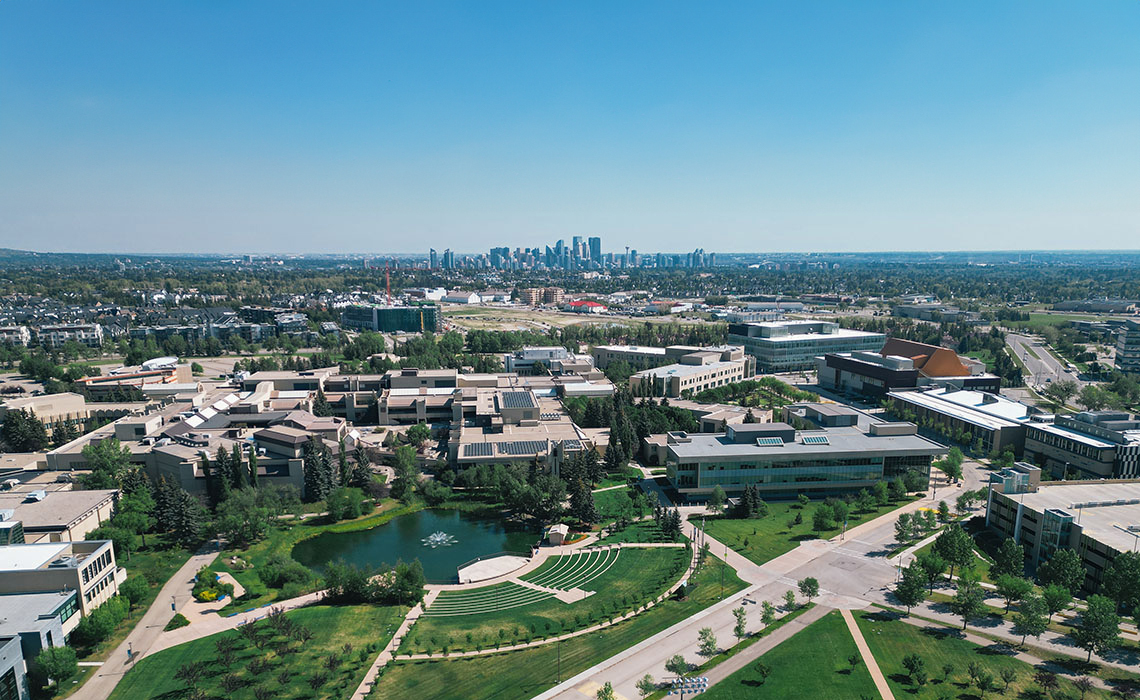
{"type": "Point", "coordinates": [768, 643]}
{"type": "Point", "coordinates": [868, 658]}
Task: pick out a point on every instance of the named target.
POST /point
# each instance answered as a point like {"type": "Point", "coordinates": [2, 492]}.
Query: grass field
{"type": "Point", "coordinates": [366, 628]}
{"type": "Point", "coordinates": [890, 640]}
{"type": "Point", "coordinates": [620, 583]}
{"type": "Point", "coordinates": [1038, 321]}
{"type": "Point", "coordinates": [810, 665]}
{"type": "Point", "coordinates": [763, 539]}
{"type": "Point", "coordinates": [641, 531]}
{"type": "Point", "coordinates": [522, 674]}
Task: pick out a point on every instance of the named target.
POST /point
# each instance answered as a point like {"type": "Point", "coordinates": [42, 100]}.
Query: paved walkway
{"type": "Point", "coordinates": [147, 632]}
{"type": "Point", "coordinates": [868, 657]}
{"type": "Point", "coordinates": [389, 650]}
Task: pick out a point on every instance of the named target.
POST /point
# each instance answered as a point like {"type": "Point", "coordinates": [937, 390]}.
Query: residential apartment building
{"type": "Point", "coordinates": [1128, 347]}
{"type": "Point", "coordinates": [783, 346]}
{"type": "Point", "coordinates": [783, 461]}
{"type": "Point", "coordinates": [542, 295]}
{"type": "Point", "coordinates": [15, 335]}
{"type": "Point", "coordinates": [88, 334]}
{"type": "Point", "coordinates": [1088, 445]}
{"type": "Point", "coordinates": [1082, 516]}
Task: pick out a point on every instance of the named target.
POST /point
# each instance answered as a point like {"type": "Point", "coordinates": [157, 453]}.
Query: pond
{"type": "Point", "coordinates": [441, 539]}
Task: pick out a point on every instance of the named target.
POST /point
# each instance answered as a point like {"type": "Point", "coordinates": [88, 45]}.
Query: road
{"type": "Point", "coordinates": [853, 571]}
{"type": "Point", "coordinates": [1045, 368]}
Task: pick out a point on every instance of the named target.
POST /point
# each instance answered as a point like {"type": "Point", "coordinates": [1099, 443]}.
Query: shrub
{"type": "Point", "coordinates": [281, 570]}
{"type": "Point", "coordinates": [179, 620]}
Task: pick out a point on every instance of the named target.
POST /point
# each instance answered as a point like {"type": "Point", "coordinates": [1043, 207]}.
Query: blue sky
{"type": "Point", "coordinates": [388, 127]}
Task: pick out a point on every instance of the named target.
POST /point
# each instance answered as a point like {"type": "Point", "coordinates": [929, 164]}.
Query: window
{"type": "Point", "coordinates": [8, 688]}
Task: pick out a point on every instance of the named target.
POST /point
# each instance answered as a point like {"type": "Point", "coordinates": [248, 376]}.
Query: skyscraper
{"type": "Point", "coordinates": [596, 249]}
{"type": "Point", "coordinates": [433, 259]}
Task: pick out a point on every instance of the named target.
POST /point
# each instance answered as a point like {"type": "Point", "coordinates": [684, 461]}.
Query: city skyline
{"type": "Point", "coordinates": [135, 127]}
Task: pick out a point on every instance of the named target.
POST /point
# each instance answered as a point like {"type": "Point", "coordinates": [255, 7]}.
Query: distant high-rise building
{"type": "Point", "coordinates": [433, 259]}
{"type": "Point", "coordinates": [448, 259]}
{"type": "Point", "coordinates": [596, 249]}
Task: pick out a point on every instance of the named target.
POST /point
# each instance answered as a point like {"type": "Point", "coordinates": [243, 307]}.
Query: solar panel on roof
{"type": "Point", "coordinates": [572, 444]}
{"type": "Point", "coordinates": [478, 449]}
{"type": "Point", "coordinates": [522, 447]}
{"type": "Point", "coordinates": [816, 440]}
{"type": "Point", "coordinates": [517, 399]}
{"type": "Point", "coordinates": [548, 416]}
{"type": "Point", "coordinates": [770, 442]}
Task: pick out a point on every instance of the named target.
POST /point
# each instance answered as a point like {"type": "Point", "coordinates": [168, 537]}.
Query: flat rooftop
{"type": "Point", "coordinates": [705, 446]}
{"type": "Point", "coordinates": [57, 509]}
{"type": "Point", "coordinates": [1070, 433]}
{"type": "Point", "coordinates": [644, 349]}
{"type": "Point", "coordinates": [20, 612]}
{"type": "Point", "coordinates": [1103, 523]}
{"type": "Point", "coordinates": [974, 407]}
{"type": "Point", "coordinates": [687, 370]}
{"type": "Point", "coordinates": [27, 557]}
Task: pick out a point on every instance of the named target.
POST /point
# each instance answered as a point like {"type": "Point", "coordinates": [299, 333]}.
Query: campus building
{"type": "Point", "coordinates": [969, 417]}
{"type": "Point", "coordinates": [555, 359]}
{"type": "Point", "coordinates": [783, 346]}
{"type": "Point", "coordinates": [1128, 347]}
{"type": "Point", "coordinates": [1089, 518]}
{"type": "Point", "coordinates": [782, 461]}
{"type": "Point", "coordinates": [423, 318]}
{"type": "Point", "coordinates": [647, 357]}
{"type": "Point", "coordinates": [1088, 445]}
{"type": "Point", "coordinates": [902, 364]}
{"type": "Point", "coordinates": [55, 516]}
{"type": "Point", "coordinates": [695, 372]}
{"type": "Point", "coordinates": [87, 567]}
{"type": "Point", "coordinates": [936, 312]}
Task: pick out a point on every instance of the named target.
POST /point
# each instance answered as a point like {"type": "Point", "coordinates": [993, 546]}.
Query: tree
{"type": "Point", "coordinates": [321, 406]}
{"type": "Point", "coordinates": [677, 665]}
{"type": "Point", "coordinates": [242, 519]}
{"type": "Point", "coordinates": [109, 461]}
{"type": "Point", "coordinates": [1030, 620]}
{"type": "Point", "coordinates": [606, 692]}
{"type": "Point", "coordinates": [943, 512]}
{"type": "Point", "coordinates": [1055, 599]}
{"type": "Point", "coordinates": [985, 683]}
{"type": "Point", "coordinates": [911, 588]}
{"type": "Point", "coordinates": [1122, 581]}
{"type": "Point", "coordinates": [190, 673]}
{"type": "Point", "coordinates": [1008, 676]}
{"type": "Point", "coordinates": [809, 587]}
{"type": "Point", "coordinates": [134, 589]}
{"type": "Point", "coordinates": [23, 431]}
{"type": "Point", "coordinates": [251, 464]}
{"type": "Point", "coordinates": [823, 518]}
{"type": "Point", "coordinates": [932, 565]}
{"type": "Point", "coordinates": [916, 668]}
{"type": "Point", "coordinates": [344, 503]}
{"type": "Point", "coordinates": [717, 499]}
{"type": "Point", "coordinates": [1013, 588]}
{"type": "Point", "coordinates": [56, 664]}
{"type": "Point", "coordinates": [1009, 559]}
{"type": "Point", "coordinates": [853, 661]}
{"type": "Point", "coordinates": [582, 503]}
{"type": "Point", "coordinates": [1064, 569]}
{"type": "Point", "coordinates": [418, 434]}
{"type": "Point", "coordinates": [406, 473]}
{"type": "Point", "coordinates": [706, 643]}
{"type": "Point", "coordinates": [969, 600]}
{"type": "Point", "coordinates": [740, 629]}
{"type": "Point", "coordinates": [955, 546]}
{"type": "Point", "coordinates": [1098, 628]}
{"type": "Point", "coordinates": [646, 685]}
{"type": "Point", "coordinates": [789, 600]}
{"type": "Point", "coordinates": [1060, 392]}
{"type": "Point", "coordinates": [1084, 684]}
{"type": "Point", "coordinates": [1047, 680]}
{"type": "Point", "coordinates": [903, 528]}
{"type": "Point", "coordinates": [768, 612]}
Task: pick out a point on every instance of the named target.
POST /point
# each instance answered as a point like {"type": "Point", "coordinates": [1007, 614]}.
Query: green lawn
{"type": "Point", "coordinates": [645, 531]}
{"type": "Point", "coordinates": [635, 577]}
{"type": "Point", "coordinates": [891, 639]}
{"type": "Point", "coordinates": [607, 503]}
{"type": "Point", "coordinates": [523, 674]}
{"type": "Point", "coordinates": [366, 628]}
{"type": "Point", "coordinates": [763, 539]}
{"type": "Point", "coordinates": [810, 665]}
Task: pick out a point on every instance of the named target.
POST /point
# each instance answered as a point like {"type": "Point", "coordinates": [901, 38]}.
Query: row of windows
{"type": "Point", "coordinates": [101, 562]}
{"type": "Point", "coordinates": [99, 587]}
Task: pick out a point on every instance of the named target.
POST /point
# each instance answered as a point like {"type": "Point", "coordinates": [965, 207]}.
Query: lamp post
{"type": "Point", "coordinates": [691, 686]}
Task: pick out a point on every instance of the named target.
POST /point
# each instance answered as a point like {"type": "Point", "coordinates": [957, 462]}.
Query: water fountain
{"type": "Point", "coordinates": [438, 539]}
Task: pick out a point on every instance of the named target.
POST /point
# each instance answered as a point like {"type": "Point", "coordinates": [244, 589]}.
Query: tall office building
{"type": "Point", "coordinates": [433, 259]}
{"type": "Point", "coordinates": [1128, 347]}
{"type": "Point", "coordinates": [596, 249]}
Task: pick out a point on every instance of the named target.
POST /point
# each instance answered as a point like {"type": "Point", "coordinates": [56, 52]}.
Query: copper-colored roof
{"type": "Point", "coordinates": [931, 360]}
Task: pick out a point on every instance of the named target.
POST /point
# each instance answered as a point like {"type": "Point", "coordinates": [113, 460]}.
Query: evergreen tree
{"type": "Point", "coordinates": [343, 471]}
{"type": "Point", "coordinates": [362, 469]}
{"type": "Point", "coordinates": [187, 517]}
{"type": "Point", "coordinates": [237, 469]}
{"type": "Point", "coordinates": [582, 503]}
{"type": "Point", "coordinates": [23, 431]}
{"type": "Point", "coordinates": [321, 406]}
{"type": "Point", "coordinates": [252, 466]}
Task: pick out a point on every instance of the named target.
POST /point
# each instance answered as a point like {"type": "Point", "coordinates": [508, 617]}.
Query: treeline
{"type": "Point", "coordinates": [756, 392]}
